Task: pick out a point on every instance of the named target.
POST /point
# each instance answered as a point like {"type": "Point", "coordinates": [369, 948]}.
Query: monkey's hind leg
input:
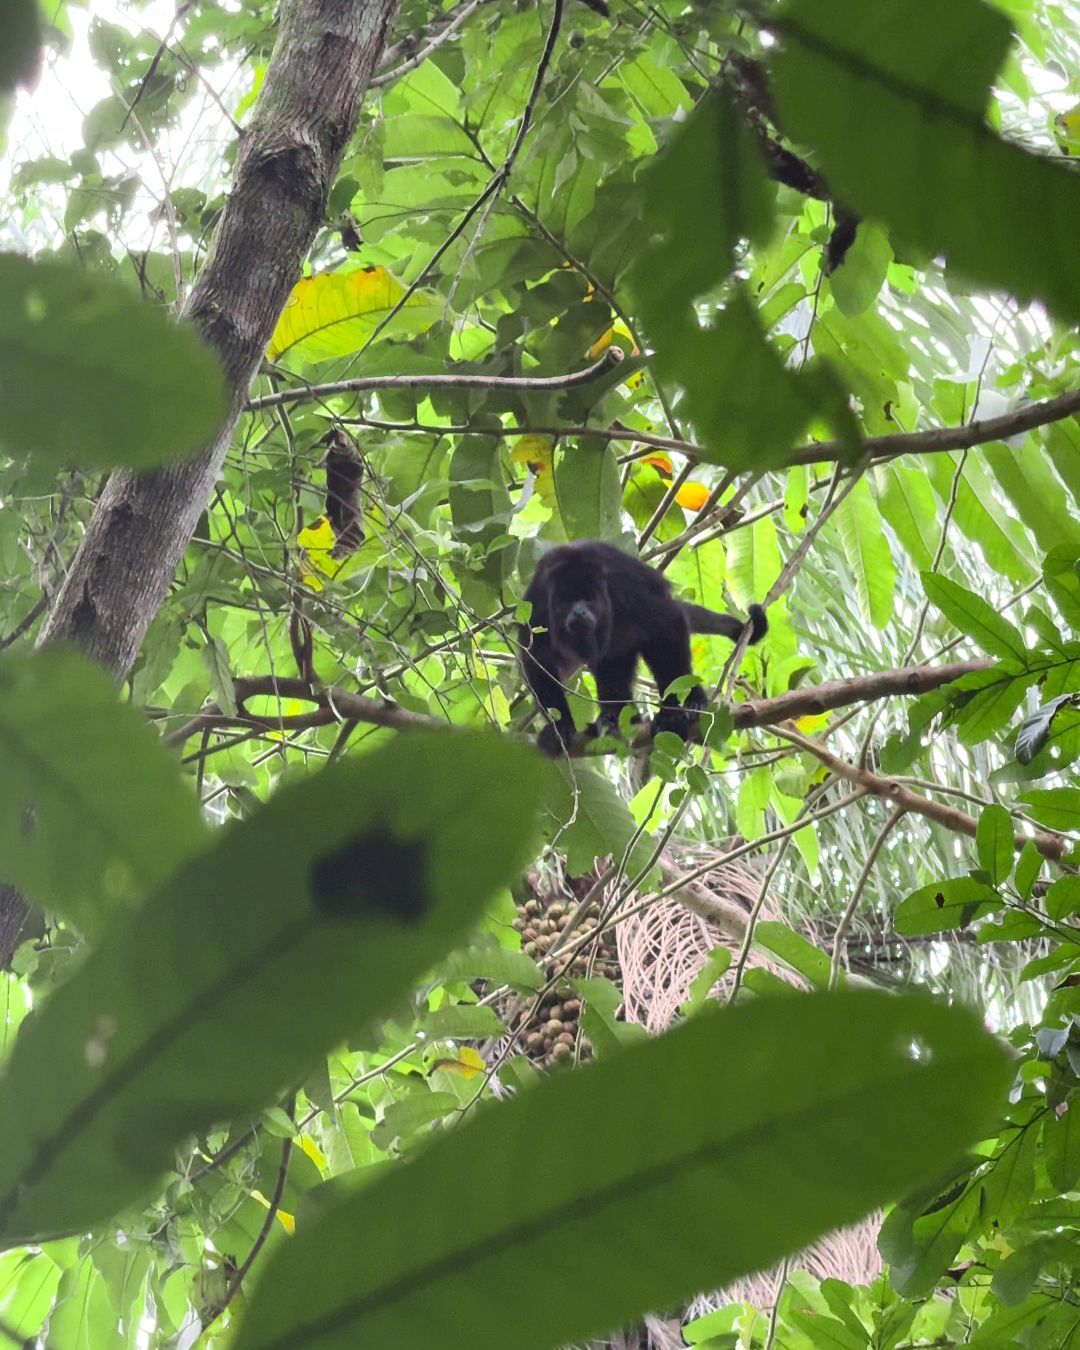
{"type": "Point", "coordinates": [614, 691]}
{"type": "Point", "coordinates": [669, 660]}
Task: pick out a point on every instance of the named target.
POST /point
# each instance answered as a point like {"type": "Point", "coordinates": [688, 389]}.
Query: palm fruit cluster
{"type": "Point", "coordinates": [542, 921]}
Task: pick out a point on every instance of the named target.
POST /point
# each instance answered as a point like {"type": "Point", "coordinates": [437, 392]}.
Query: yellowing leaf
{"type": "Point", "coordinates": [317, 541]}
{"type": "Point", "coordinates": [336, 313]}
{"type": "Point", "coordinates": [811, 722]}
{"type": "Point", "coordinates": [604, 341]}
{"type": "Point", "coordinates": [466, 1062]}
{"type": "Point", "coordinates": [537, 454]}
{"type": "Point", "coordinates": [313, 1151]}
{"type": "Point", "coordinates": [692, 496]}
{"type": "Point", "coordinates": [1067, 131]}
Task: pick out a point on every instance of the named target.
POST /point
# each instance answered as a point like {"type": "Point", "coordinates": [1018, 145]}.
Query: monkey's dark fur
{"type": "Point", "coordinates": [598, 607]}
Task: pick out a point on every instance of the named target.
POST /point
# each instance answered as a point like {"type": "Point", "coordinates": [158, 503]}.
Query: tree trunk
{"type": "Point", "coordinates": [288, 158]}
{"type": "Point", "coordinates": [287, 161]}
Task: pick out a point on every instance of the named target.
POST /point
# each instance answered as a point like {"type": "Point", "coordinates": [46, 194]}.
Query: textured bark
{"type": "Point", "coordinates": [13, 914]}
{"type": "Point", "coordinates": [308, 108]}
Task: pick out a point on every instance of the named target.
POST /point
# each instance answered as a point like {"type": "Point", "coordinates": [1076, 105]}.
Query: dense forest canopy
{"type": "Point", "coordinates": [334, 1014]}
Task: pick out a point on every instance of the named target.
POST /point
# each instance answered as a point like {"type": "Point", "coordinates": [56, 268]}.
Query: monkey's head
{"type": "Point", "coordinates": [579, 609]}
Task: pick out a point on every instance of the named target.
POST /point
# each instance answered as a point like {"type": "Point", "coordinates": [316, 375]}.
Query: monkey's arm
{"type": "Point", "coordinates": [539, 666]}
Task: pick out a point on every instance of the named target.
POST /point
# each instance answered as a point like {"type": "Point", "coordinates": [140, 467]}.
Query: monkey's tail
{"type": "Point", "coordinates": [704, 620]}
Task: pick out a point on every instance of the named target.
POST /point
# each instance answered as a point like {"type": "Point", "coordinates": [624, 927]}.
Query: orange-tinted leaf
{"type": "Point", "coordinates": [660, 462]}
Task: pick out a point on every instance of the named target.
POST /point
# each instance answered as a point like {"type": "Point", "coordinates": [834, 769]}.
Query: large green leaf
{"type": "Point", "coordinates": [868, 555]}
{"type": "Point", "coordinates": [94, 376]}
{"type": "Point", "coordinates": [708, 191]}
{"type": "Point", "coordinates": [943, 905]}
{"type": "Point", "coordinates": [198, 1007]}
{"type": "Point", "coordinates": [976, 617]}
{"type": "Point", "coordinates": [786, 1117]}
{"type": "Point", "coordinates": [587, 490]}
{"type": "Point", "coordinates": [585, 817]}
{"type": "Point", "coordinates": [93, 813]}
{"type": "Point", "coordinates": [892, 97]}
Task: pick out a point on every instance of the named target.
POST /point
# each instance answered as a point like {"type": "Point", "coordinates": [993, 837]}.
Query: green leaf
{"type": "Point", "coordinates": [976, 617]}
{"type": "Point", "coordinates": [868, 555]}
{"type": "Point", "coordinates": [93, 813]}
{"type": "Point", "coordinates": [462, 1022]}
{"type": "Point", "coordinates": [1056, 808]}
{"type": "Point", "coordinates": [995, 843]}
{"type": "Point", "coordinates": [793, 949]}
{"type": "Point", "coordinates": [1016, 1277]}
{"type": "Point", "coordinates": [980, 516]}
{"type": "Point", "coordinates": [480, 507]}
{"type": "Point", "coordinates": [216, 661]}
{"type": "Point", "coordinates": [857, 281]}
{"type": "Point", "coordinates": [907, 502]}
{"type": "Point", "coordinates": [892, 98]}
{"type": "Point", "coordinates": [410, 1114]}
{"type": "Point", "coordinates": [587, 489]}
{"type": "Point", "coordinates": [20, 39]}
{"type": "Point", "coordinates": [497, 965]}
{"type": "Point", "coordinates": [919, 1246]}
{"type": "Point", "coordinates": [943, 905]}
{"type": "Point", "coordinates": [93, 376]}
{"type": "Point", "coordinates": [705, 193]}
{"type": "Point", "coordinates": [1063, 897]}
{"type": "Point", "coordinates": [198, 1009]}
{"type": "Point", "coordinates": [585, 817]}
{"type": "Point", "coordinates": [1061, 573]}
{"type": "Point", "coordinates": [1028, 480]}
{"type": "Point", "coordinates": [827, 1113]}
{"type": "Point", "coordinates": [1061, 1146]}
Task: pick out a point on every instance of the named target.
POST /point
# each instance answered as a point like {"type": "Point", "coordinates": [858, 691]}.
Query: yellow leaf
{"type": "Point", "coordinates": [336, 313]}
{"type": "Point", "coordinates": [812, 722]}
{"type": "Point", "coordinates": [1067, 131]}
{"type": "Point", "coordinates": [692, 495]}
{"type": "Point", "coordinates": [313, 1151]}
{"type": "Point", "coordinates": [317, 541]}
{"type": "Point", "coordinates": [537, 454]}
{"type": "Point", "coordinates": [466, 1062]}
{"type": "Point", "coordinates": [604, 341]}
{"type": "Point", "coordinates": [287, 1222]}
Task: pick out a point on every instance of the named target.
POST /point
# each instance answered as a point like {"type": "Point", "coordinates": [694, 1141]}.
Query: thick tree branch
{"type": "Point", "coordinates": [337, 705]}
{"type": "Point", "coordinates": [941, 439]}
{"type": "Point", "coordinates": [820, 698]}
{"type": "Point", "coordinates": [1052, 846]}
{"type": "Point", "coordinates": [934, 441]}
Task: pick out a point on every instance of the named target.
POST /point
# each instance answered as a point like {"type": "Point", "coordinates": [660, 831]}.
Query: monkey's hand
{"type": "Point", "coordinates": [551, 740]}
{"type": "Point", "coordinates": [681, 720]}
{"type": "Point", "coordinates": [607, 724]}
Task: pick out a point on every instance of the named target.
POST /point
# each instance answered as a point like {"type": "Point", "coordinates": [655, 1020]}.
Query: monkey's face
{"type": "Point", "coordinates": [580, 611]}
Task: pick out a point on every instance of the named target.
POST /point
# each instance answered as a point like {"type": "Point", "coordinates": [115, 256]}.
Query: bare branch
{"type": "Point", "coordinates": [362, 383]}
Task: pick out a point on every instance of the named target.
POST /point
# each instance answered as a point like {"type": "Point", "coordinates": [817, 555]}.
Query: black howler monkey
{"type": "Point", "coordinates": [598, 607]}
{"type": "Point", "coordinates": [344, 466]}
